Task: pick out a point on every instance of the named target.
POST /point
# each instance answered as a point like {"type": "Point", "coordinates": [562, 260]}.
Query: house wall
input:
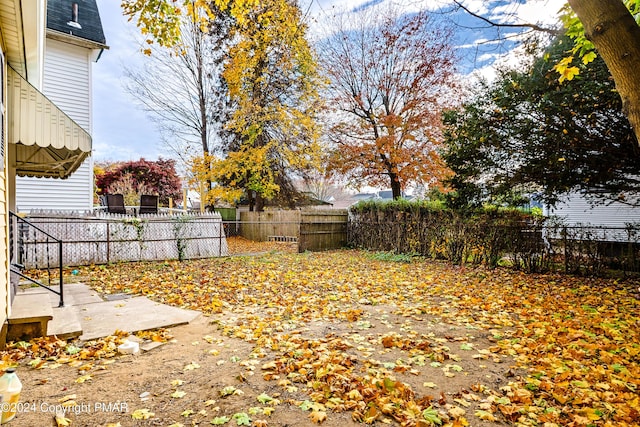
{"type": "Point", "coordinates": [67, 82]}
{"type": "Point", "coordinates": [575, 209]}
{"type": "Point", "coordinates": [4, 207]}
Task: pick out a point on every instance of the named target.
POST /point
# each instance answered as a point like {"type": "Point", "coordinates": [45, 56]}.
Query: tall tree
{"type": "Point", "coordinates": [390, 77]}
{"type": "Point", "coordinates": [188, 108]}
{"type": "Point", "coordinates": [611, 26]}
{"type": "Point", "coordinates": [527, 132]}
{"type": "Point", "coordinates": [612, 30]}
{"type": "Point", "coordinates": [272, 80]}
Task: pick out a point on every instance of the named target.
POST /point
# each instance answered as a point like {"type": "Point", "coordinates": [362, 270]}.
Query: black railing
{"type": "Point", "coordinates": [23, 233]}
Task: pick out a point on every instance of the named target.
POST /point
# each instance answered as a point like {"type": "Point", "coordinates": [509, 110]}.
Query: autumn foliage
{"type": "Point", "coordinates": [568, 346]}
{"type": "Point", "coordinates": [415, 343]}
{"type": "Point", "coordinates": [390, 77]}
{"type": "Point", "coordinates": [272, 84]}
{"type": "Point", "coordinates": [142, 177]}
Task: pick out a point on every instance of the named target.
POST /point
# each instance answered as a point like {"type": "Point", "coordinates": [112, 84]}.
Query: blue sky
{"type": "Point", "coordinates": [123, 131]}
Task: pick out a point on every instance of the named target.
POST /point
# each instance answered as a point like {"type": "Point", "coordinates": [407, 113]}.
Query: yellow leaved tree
{"type": "Point", "coordinates": [273, 85]}
{"type": "Point", "coordinates": [240, 173]}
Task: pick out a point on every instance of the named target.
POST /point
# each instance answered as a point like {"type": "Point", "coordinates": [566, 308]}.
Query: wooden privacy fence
{"type": "Point", "coordinates": [322, 230]}
{"type": "Point", "coordinates": [104, 238]}
{"type": "Point", "coordinates": [313, 229]}
{"type": "Point", "coordinates": [270, 225]}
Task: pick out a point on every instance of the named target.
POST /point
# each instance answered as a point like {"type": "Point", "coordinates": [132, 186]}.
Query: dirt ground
{"type": "Point", "coordinates": [200, 362]}
{"type": "Point", "coordinates": [341, 338]}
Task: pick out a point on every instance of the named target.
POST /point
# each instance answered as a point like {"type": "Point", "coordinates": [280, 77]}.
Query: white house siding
{"type": "Point", "coordinates": [72, 194]}
{"type": "Point", "coordinates": [575, 210]}
{"type": "Point", "coordinates": [67, 82]}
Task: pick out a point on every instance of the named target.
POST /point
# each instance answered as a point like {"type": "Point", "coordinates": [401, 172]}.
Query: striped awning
{"type": "Point", "coordinates": [48, 142]}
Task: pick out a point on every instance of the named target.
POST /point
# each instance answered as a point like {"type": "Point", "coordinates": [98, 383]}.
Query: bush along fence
{"type": "Point", "coordinates": [105, 238]}
{"type": "Point", "coordinates": [491, 237]}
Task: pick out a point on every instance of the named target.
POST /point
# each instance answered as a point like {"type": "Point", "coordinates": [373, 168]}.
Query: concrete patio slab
{"type": "Point", "coordinates": [65, 323]}
{"type": "Point", "coordinates": [87, 315]}
{"type": "Point", "coordinates": [130, 315]}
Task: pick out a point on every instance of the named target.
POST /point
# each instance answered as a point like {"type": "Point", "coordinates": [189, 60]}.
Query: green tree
{"type": "Point", "coordinates": [612, 28]}
{"type": "Point", "coordinates": [529, 133]}
{"type": "Point", "coordinates": [609, 28]}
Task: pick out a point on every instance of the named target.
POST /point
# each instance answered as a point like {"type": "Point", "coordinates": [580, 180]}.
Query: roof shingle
{"type": "Point", "coordinates": [59, 13]}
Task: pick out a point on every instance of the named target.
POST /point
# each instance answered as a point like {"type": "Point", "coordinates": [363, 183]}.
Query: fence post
{"type": "Point", "coordinates": [108, 244]}
{"type": "Point", "coordinates": [564, 242]}
{"type": "Point", "coordinates": [61, 303]}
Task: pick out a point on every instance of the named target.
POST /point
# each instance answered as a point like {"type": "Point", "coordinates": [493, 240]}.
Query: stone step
{"type": "Point", "coordinates": [66, 322]}
{"type": "Point", "coordinates": [88, 316]}
{"type": "Point", "coordinates": [30, 316]}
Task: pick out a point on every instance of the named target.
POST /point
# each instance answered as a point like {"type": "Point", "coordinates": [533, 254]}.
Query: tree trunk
{"type": "Point", "coordinates": [250, 197]}
{"type": "Point", "coordinates": [396, 190]}
{"type": "Point", "coordinates": [259, 203]}
{"type": "Point", "coordinates": [616, 36]}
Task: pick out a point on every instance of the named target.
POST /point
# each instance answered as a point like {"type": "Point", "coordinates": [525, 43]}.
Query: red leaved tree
{"type": "Point", "coordinates": [142, 177]}
{"type": "Point", "coordinates": [390, 78]}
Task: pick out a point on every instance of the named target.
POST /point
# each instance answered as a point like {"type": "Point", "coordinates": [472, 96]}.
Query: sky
{"type": "Point", "coordinates": [122, 131]}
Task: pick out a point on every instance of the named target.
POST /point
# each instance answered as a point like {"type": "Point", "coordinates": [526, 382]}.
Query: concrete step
{"type": "Point", "coordinates": [88, 316]}
{"type": "Point", "coordinates": [65, 322]}
{"type": "Point", "coordinates": [30, 316]}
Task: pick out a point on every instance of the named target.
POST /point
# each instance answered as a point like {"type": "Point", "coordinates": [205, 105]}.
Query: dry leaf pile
{"type": "Point", "coordinates": [52, 352]}
{"type": "Point", "coordinates": [578, 339]}
{"type": "Point", "coordinates": [389, 342]}
{"type": "Point", "coordinates": [240, 246]}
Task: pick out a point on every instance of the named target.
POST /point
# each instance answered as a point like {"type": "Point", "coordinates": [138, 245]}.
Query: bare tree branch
{"type": "Point", "coordinates": [536, 27]}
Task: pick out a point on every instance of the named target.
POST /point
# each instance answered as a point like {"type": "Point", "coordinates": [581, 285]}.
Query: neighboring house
{"type": "Point", "coordinates": [305, 200]}
{"type": "Point", "coordinates": [379, 196]}
{"type": "Point", "coordinates": [574, 209]}
{"type": "Point", "coordinates": [74, 41]}
{"type": "Point", "coordinates": [37, 138]}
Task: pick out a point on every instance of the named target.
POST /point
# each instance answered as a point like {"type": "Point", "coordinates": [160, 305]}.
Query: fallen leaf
{"type": "Point", "coordinates": [191, 366]}
{"type": "Point", "coordinates": [485, 415]}
{"type": "Point", "coordinates": [318, 416]}
{"type": "Point", "coordinates": [83, 379]}
{"type": "Point", "coordinates": [62, 421]}
{"type": "Point", "coordinates": [242, 419]}
{"type": "Point", "coordinates": [142, 414]}
{"type": "Point", "coordinates": [218, 421]}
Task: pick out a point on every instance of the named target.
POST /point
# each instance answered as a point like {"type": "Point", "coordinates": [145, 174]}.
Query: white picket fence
{"type": "Point", "coordinates": [101, 238]}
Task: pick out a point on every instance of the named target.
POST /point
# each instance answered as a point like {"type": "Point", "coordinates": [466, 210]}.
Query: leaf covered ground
{"type": "Point", "coordinates": [348, 337]}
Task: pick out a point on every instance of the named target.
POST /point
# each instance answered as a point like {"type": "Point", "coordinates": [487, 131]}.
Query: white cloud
{"type": "Point", "coordinates": [121, 130]}
{"type": "Point", "coordinates": [533, 11]}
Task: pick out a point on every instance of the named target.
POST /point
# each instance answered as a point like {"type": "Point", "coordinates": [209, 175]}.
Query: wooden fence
{"type": "Point", "coordinates": [313, 229]}
{"type": "Point", "coordinates": [105, 238]}
{"type": "Point", "coordinates": [322, 230]}
{"type": "Point", "coordinates": [270, 225]}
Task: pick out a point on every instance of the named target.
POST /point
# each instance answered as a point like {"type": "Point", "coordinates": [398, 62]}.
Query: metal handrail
{"type": "Point", "coordinates": [17, 268]}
